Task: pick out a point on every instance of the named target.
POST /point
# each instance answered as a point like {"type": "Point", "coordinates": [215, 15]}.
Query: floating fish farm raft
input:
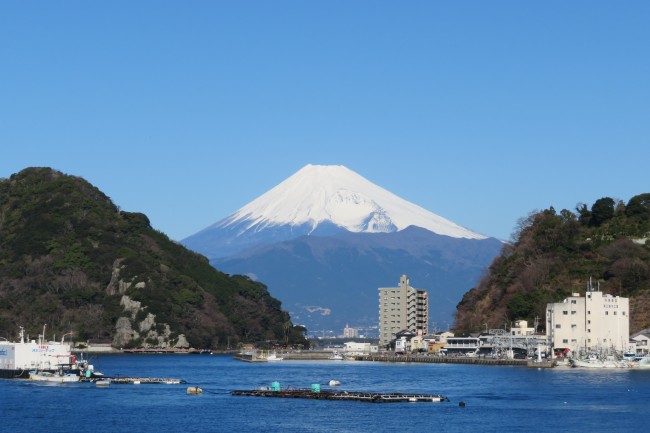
{"type": "Point", "coordinates": [133, 380]}
{"type": "Point", "coordinates": [369, 397]}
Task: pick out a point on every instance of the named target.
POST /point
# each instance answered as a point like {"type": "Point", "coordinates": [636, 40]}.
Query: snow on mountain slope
{"type": "Point", "coordinates": [318, 194]}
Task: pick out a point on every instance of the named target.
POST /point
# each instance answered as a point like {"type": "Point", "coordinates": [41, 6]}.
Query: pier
{"type": "Point", "coordinates": [368, 397]}
{"type": "Point", "coordinates": [442, 360]}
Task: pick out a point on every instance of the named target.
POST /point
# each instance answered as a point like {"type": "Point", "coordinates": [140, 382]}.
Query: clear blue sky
{"type": "Point", "coordinates": [479, 111]}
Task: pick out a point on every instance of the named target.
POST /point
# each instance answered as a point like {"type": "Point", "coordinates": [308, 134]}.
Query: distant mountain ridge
{"type": "Point", "coordinates": [330, 281]}
{"type": "Point", "coordinates": [326, 222]}
{"type": "Point", "coordinates": [318, 200]}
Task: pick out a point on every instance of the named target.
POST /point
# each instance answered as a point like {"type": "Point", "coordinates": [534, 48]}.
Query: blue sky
{"type": "Point", "coordinates": [479, 111]}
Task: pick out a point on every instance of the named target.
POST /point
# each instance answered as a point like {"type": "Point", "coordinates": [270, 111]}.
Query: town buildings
{"type": "Point", "coordinates": [402, 308]}
{"type": "Point", "coordinates": [350, 332]}
{"type": "Point", "coordinates": [595, 322]}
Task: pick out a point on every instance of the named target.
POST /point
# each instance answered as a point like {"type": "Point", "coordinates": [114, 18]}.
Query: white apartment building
{"type": "Point", "coordinates": [596, 321]}
{"type": "Point", "coordinates": [402, 308]}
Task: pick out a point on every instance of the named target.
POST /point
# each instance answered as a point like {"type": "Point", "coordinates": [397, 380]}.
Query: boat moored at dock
{"type": "Point", "coordinates": [17, 359]}
{"type": "Point", "coordinates": [58, 377]}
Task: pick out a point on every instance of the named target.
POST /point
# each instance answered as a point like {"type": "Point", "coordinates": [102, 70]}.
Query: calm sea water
{"type": "Point", "coordinates": [498, 399]}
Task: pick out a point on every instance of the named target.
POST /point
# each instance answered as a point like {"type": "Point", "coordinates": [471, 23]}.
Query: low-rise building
{"type": "Point", "coordinates": [642, 342]}
{"type": "Point", "coordinates": [354, 348]}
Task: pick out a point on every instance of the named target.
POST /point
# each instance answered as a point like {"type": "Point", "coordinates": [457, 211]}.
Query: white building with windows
{"type": "Point", "coordinates": [595, 322]}
{"type": "Point", "coordinates": [402, 308]}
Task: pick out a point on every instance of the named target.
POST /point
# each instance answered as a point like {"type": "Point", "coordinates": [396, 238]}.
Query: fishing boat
{"type": "Point", "coordinates": [58, 377]}
{"type": "Point", "coordinates": [336, 357]}
{"type": "Point", "coordinates": [594, 361]}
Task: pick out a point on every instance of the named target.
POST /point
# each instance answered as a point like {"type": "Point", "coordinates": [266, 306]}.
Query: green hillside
{"type": "Point", "coordinates": [69, 258]}
{"type": "Point", "coordinates": [554, 254]}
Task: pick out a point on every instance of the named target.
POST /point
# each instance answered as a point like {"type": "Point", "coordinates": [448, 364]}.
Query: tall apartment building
{"type": "Point", "coordinates": [591, 323]}
{"type": "Point", "coordinates": [402, 308]}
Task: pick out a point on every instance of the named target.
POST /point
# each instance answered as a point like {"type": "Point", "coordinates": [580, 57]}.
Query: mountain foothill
{"type": "Point", "coordinates": [312, 251]}
{"type": "Point", "coordinates": [554, 254]}
{"type": "Point", "coordinates": [71, 260]}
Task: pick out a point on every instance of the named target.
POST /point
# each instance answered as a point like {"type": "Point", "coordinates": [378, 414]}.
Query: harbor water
{"type": "Point", "coordinates": [496, 398]}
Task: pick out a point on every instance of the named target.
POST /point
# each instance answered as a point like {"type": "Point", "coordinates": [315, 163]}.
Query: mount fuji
{"type": "Point", "coordinates": [325, 239]}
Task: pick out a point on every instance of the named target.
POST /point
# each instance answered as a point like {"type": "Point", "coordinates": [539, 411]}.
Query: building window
{"type": "Point", "coordinates": [588, 312]}
{"type": "Point", "coordinates": [574, 326]}
{"type": "Point", "coordinates": [566, 313]}
{"type": "Point", "coordinates": [573, 301]}
{"type": "Point", "coordinates": [573, 340]}
{"type": "Point", "coordinates": [588, 330]}
{"type": "Point", "coordinates": [606, 313]}
{"type": "Point", "coordinates": [614, 313]}
{"type": "Point", "coordinates": [573, 312]}
{"type": "Point", "coordinates": [558, 326]}
{"type": "Point", "coordinates": [588, 322]}
{"type": "Point", "coordinates": [565, 341]}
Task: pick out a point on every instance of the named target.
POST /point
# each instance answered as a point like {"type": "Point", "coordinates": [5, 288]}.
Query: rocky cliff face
{"type": "Point", "coordinates": [69, 258]}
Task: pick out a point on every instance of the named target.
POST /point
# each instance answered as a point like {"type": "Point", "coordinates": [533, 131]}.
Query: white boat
{"type": "Point", "coordinates": [17, 359]}
{"type": "Point", "coordinates": [273, 357]}
{"type": "Point", "coordinates": [46, 376]}
{"type": "Point", "coordinates": [336, 357]}
{"type": "Point", "coordinates": [593, 361]}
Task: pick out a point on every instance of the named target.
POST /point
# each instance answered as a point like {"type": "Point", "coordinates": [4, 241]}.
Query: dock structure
{"type": "Point", "coordinates": [442, 360]}
{"type": "Point", "coordinates": [368, 397]}
{"type": "Point", "coordinates": [134, 380]}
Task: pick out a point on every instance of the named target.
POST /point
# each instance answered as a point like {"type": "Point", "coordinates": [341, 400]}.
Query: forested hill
{"type": "Point", "coordinates": [554, 254]}
{"type": "Point", "coordinates": [70, 259]}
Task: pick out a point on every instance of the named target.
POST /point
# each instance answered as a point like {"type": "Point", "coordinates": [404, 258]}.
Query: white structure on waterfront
{"type": "Point", "coordinates": [595, 322]}
{"type": "Point", "coordinates": [355, 348]}
{"type": "Point", "coordinates": [402, 308]}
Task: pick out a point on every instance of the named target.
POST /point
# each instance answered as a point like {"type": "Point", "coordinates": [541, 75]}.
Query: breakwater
{"type": "Point", "coordinates": [442, 360]}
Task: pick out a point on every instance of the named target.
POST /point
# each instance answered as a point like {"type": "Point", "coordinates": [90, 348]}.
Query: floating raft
{"type": "Point", "coordinates": [133, 380]}
{"type": "Point", "coordinates": [369, 397]}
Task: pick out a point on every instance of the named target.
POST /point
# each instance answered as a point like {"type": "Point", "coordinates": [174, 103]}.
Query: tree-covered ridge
{"type": "Point", "coordinates": [69, 258]}
{"type": "Point", "coordinates": [553, 254]}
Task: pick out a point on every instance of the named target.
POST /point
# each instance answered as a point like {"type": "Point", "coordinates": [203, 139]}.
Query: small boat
{"type": "Point", "coordinates": [103, 383]}
{"type": "Point", "coordinates": [334, 383]}
{"type": "Point", "coordinates": [272, 357]}
{"type": "Point", "coordinates": [46, 376]}
{"type": "Point", "coordinates": [336, 357]}
{"type": "Point", "coordinates": [594, 361]}
{"type": "Point", "coordinates": [194, 390]}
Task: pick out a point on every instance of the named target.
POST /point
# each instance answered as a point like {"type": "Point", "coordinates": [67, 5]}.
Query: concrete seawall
{"type": "Point", "coordinates": [443, 360]}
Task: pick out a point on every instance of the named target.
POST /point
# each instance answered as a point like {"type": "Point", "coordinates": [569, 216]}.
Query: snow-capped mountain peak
{"type": "Point", "coordinates": [333, 194]}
